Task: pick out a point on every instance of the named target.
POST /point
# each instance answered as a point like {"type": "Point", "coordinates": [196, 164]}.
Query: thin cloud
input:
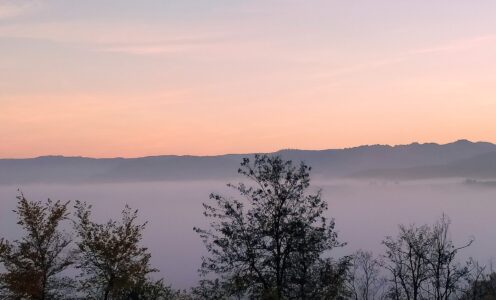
{"type": "Point", "coordinates": [449, 47]}
{"type": "Point", "coordinates": [132, 39]}
{"type": "Point", "coordinates": [12, 8]}
{"type": "Point", "coordinates": [105, 34]}
{"type": "Point", "coordinates": [175, 45]}
{"type": "Point", "coordinates": [458, 45]}
{"type": "Point", "coordinates": [142, 50]}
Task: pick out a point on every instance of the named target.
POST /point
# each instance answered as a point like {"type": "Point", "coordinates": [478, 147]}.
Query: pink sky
{"type": "Point", "coordinates": [136, 78]}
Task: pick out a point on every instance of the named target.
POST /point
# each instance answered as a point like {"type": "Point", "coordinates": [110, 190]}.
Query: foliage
{"type": "Point", "coordinates": [113, 264]}
{"type": "Point", "coordinates": [273, 244]}
{"type": "Point", "coordinates": [149, 289]}
{"type": "Point", "coordinates": [35, 263]}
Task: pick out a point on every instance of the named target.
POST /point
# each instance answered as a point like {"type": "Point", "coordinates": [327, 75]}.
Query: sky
{"type": "Point", "coordinates": [136, 78]}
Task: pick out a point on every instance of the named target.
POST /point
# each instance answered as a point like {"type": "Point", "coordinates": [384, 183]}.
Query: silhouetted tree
{"type": "Point", "coordinates": [148, 289]}
{"type": "Point", "coordinates": [407, 261]}
{"type": "Point", "coordinates": [275, 242]}
{"type": "Point", "coordinates": [113, 263]}
{"type": "Point", "coordinates": [422, 263]}
{"type": "Point", "coordinates": [479, 283]}
{"type": "Point", "coordinates": [365, 279]}
{"type": "Point", "coordinates": [447, 274]}
{"type": "Point", "coordinates": [482, 289]}
{"type": "Point", "coordinates": [33, 265]}
{"type": "Point", "coordinates": [215, 290]}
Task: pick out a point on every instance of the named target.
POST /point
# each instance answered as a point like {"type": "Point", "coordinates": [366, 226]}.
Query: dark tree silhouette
{"type": "Point", "coordinates": [33, 264]}
{"type": "Point", "coordinates": [447, 274]}
{"type": "Point", "coordinates": [422, 263]}
{"type": "Point", "coordinates": [407, 261]}
{"type": "Point", "coordinates": [274, 242]}
{"type": "Point", "coordinates": [481, 285]}
{"type": "Point", "coordinates": [113, 263]}
{"type": "Point", "coordinates": [148, 289]}
{"type": "Point", "coordinates": [365, 280]}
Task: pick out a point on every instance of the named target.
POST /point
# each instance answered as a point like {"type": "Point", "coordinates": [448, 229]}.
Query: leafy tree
{"type": "Point", "coordinates": [213, 290]}
{"type": "Point", "coordinates": [149, 289]}
{"type": "Point", "coordinates": [33, 264]}
{"type": "Point", "coordinates": [113, 264]}
{"type": "Point", "coordinates": [274, 242]}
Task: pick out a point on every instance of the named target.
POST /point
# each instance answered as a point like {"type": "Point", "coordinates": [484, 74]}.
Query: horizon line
{"type": "Point", "coordinates": [246, 153]}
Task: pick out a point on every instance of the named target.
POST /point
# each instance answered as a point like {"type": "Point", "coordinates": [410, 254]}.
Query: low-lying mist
{"type": "Point", "coordinates": [364, 211]}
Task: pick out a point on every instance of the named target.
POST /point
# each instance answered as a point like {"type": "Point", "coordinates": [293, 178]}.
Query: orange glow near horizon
{"type": "Point", "coordinates": [242, 78]}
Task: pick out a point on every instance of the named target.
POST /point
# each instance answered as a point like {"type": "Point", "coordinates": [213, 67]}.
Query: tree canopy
{"type": "Point", "coordinates": [34, 264]}
{"type": "Point", "coordinates": [274, 241]}
{"type": "Point", "coordinates": [113, 263]}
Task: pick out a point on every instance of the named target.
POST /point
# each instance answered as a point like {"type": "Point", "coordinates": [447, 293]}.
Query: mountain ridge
{"type": "Point", "coordinates": [386, 146]}
{"type": "Point", "coordinates": [367, 161]}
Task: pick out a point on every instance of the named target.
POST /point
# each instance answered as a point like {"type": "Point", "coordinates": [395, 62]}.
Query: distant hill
{"type": "Point", "coordinates": [414, 161]}
{"type": "Point", "coordinates": [478, 167]}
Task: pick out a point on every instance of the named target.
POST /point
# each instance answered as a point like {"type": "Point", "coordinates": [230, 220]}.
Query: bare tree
{"type": "Point", "coordinates": [422, 263]}
{"type": "Point", "coordinates": [407, 261]}
{"type": "Point", "coordinates": [447, 274]}
{"type": "Point", "coordinates": [365, 280]}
